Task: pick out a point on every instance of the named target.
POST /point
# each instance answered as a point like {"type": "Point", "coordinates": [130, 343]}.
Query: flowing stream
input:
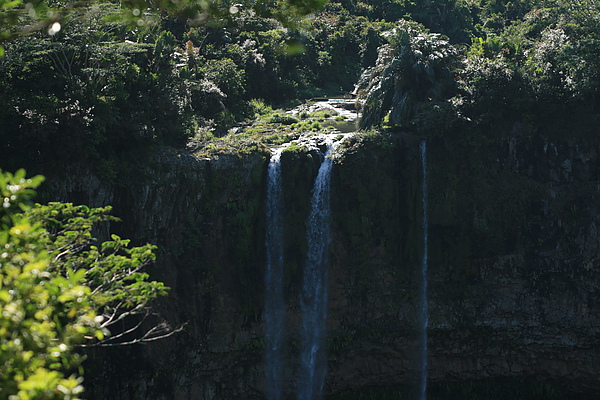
{"type": "Point", "coordinates": [314, 297]}
{"type": "Point", "coordinates": [424, 306]}
{"type": "Point", "coordinates": [274, 302]}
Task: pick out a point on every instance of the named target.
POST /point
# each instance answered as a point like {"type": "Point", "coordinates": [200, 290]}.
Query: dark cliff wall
{"type": "Point", "coordinates": [207, 217]}
{"type": "Point", "coordinates": [513, 280]}
{"type": "Point", "coordinates": [513, 259]}
{"type": "Point", "coordinates": [514, 246]}
{"type": "Point", "coordinates": [376, 205]}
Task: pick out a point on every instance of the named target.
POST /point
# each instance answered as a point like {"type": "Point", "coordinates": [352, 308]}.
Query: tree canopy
{"type": "Point", "coordinates": [529, 66]}
{"type": "Point", "coordinates": [414, 67]}
{"type": "Point", "coordinates": [20, 17]}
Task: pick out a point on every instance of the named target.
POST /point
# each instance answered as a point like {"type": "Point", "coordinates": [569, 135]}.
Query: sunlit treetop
{"type": "Point", "coordinates": [20, 17]}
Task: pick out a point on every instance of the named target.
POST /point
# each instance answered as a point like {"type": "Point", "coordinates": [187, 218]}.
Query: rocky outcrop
{"type": "Point", "coordinates": [514, 288]}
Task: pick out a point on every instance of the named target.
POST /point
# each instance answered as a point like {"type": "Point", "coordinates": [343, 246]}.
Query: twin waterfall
{"type": "Point", "coordinates": [313, 361]}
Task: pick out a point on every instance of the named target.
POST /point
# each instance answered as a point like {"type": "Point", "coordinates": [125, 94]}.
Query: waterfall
{"type": "Point", "coordinates": [274, 303]}
{"type": "Point", "coordinates": [314, 297]}
{"type": "Point", "coordinates": [424, 307]}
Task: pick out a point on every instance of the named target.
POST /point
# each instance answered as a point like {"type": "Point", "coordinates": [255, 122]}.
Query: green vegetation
{"type": "Point", "coordinates": [19, 17]}
{"type": "Point", "coordinates": [413, 68]}
{"type": "Point", "coordinates": [530, 67]}
{"type": "Point", "coordinates": [60, 290]}
{"type": "Point", "coordinates": [101, 90]}
{"type": "Point", "coordinates": [83, 88]}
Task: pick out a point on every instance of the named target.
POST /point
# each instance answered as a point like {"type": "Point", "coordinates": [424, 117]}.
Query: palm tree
{"type": "Point", "coordinates": [415, 66]}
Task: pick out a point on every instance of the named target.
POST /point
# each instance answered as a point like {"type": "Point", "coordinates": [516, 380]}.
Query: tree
{"type": "Point", "coordinates": [20, 17]}
{"type": "Point", "coordinates": [59, 292]}
{"type": "Point", "coordinates": [414, 67]}
{"type": "Point", "coordinates": [564, 61]}
{"type": "Point", "coordinates": [90, 94]}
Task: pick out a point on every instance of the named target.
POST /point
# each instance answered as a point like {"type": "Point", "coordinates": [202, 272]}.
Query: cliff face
{"type": "Point", "coordinates": [514, 287]}
{"type": "Point", "coordinates": [513, 282]}
{"type": "Point", "coordinates": [515, 262]}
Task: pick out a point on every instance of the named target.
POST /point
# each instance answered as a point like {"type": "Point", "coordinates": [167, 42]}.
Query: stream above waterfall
{"type": "Point", "coordinates": [343, 113]}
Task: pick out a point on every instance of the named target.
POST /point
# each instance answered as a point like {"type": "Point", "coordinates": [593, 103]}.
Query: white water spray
{"type": "Point", "coordinates": [424, 304]}
{"type": "Point", "coordinates": [274, 302]}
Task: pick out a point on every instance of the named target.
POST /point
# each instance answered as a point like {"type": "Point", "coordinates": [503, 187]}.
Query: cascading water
{"type": "Point", "coordinates": [274, 303]}
{"type": "Point", "coordinates": [424, 305]}
{"type": "Point", "coordinates": [314, 296]}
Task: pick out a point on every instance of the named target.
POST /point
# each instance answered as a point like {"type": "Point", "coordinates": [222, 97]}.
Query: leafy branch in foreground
{"type": "Point", "coordinates": [120, 289]}
{"type": "Point", "coordinates": [59, 292]}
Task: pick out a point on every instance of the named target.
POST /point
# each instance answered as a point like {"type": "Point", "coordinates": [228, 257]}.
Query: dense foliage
{"type": "Point", "coordinates": [412, 69]}
{"type": "Point", "coordinates": [531, 67]}
{"type": "Point", "coordinates": [19, 17]}
{"type": "Point", "coordinates": [538, 73]}
{"type": "Point", "coordinates": [101, 90]}
{"type": "Point", "coordinates": [60, 291]}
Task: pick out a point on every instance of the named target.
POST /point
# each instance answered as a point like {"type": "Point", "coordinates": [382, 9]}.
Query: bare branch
{"type": "Point", "coordinates": [146, 338]}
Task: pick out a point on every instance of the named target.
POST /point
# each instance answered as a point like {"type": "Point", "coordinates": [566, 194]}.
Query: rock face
{"type": "Point", "coordinates": [523, 288]}
{"type": "Point", "coordinates": [514, 287]}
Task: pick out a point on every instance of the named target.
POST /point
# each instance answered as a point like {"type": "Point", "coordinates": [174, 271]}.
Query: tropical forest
{"type": "Point", "coordinates": [300, 199]}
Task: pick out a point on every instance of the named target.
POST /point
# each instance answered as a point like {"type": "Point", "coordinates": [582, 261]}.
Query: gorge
{"type": "Point", "coordinates": [512, 253]}
{"type": "Point", "coordinates": [449, 249]}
